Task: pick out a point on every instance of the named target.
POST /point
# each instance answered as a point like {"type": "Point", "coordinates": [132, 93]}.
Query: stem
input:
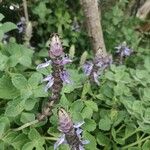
{"type": "Point", "coordinates": [26, 125]}
{"type": "Point", "coordinates": [93, 24]}
{"type": "Point", "coordinates": [51, 138]}
{"type": "Point", "coordinates": [25, 10]}
{"type": "Point", "coordinates": [137, 130]}
{"type": "Point", "coordinates": [135, 143]}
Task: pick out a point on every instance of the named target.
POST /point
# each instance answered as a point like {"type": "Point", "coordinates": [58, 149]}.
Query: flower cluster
{"type": "Point", "coordinates": [21, 25]}
{"type": "Point", "coordinates": [58, 60]}
{"type": "Point", "coordinates": [59, 74]}
{"type": "Point", "coordinates": [123, 50]}
{"type": "Point", "coordinates": [71, 133]}
{"type": "Point", "coordinates": [94, 68]}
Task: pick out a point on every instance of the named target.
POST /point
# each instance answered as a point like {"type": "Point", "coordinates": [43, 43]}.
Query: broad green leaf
{"type": "Point", "coordinates": [7, 90]}
{"type": "Point", "coordinates": [19, 54]}
{"type": "Point", "coordinates": [7, 26]}
{"type": "Point", "coordinates": [146, 145]}
{"type": "Point", "coordinates": [92, 105]}
{"type": "Point", "coordinates": [27, 117]}
{"type": "Point", "coordinates": [89, 125]}
{"type": "Point", "coordinates": [77, 106]}
{"type": "Point", "coordinates": [35, 79]}
{"type": "Point", "coordinates": [39, 92]}
{"type": "Point", "coordinates": [102, 139]}
{"type": "Point", "coordinates": [64, 102]}
{"type": "Point", "coordinates": [19, 141]}
{"type": "Point", "coordinates": [30, 103]}
{"type": "Point", "coordinates": [3, 61]}
{"type": "Point", "coordinates": [87, 112]}
{"type": "Point", "coordinates": [91, 139]}
{"type": "Point", "coordinates": [86, 89]}
{"type": "Point", "coordinates": [4, 125]}
{"type": "Point", "coordinates": [105, 124]}
{"type": "Point", "coordinates": [147, 63]}
{"type": "Point", "coordinates": [37, 140]}
{"type": "Point", "coordinates": [15, 107]}
{"type": "Point", "coordinates": [19, 81]}
{"type": "Point", "coordinates": [28, 146]}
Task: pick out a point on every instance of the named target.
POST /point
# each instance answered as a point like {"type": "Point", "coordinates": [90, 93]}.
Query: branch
{"type": "Point", "coordinates": [93, 22]}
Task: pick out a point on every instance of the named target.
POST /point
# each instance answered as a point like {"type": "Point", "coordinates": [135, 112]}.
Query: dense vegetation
{"type": "Point", "coordinates": [116, 111]}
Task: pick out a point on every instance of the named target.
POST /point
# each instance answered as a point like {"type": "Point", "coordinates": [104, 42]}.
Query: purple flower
{"type": "Point", "coordinates": [50, 80]}
{"type": "Point", "coordinates": [64, 75]}
{"type": "Point", "coordinates": [96, 76]}
{"type": "Point", "coordinates": [44, 65]}
{"type": "Point", "coordinates": [69, 130]}
{"type": "Point", "coordinates": [21, 25]}
{"type": "Point", "coordinates": [123, 49]}
{"type": "Point", "coordinates": [87, 68]}
{"type": "Point", "coordinates": [65, 60]}
{"type": "Point", "coordinates": [56, 47]}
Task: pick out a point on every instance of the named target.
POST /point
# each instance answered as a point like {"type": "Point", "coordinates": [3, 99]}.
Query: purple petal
{"type": "Point", "coordinates": [44, 65]}
{"type": "Point", "coordinates": [48, 78]}
{"type": "Point", "coordinates": [87, 68]}
{"type": "Point", "coordinates": [49, 84]}
{"type": "Point", "coordinates": [59, 141]}
{"type": "Point", "coordinates": [81, 147]}
{"type": "Point", "coordinates": [127, 51]}
{"type": "Point", "coordinates": [95, 75]}
{"type": "Point", "coordinates": [64, 75]}
{"type": "Point", "coordinates": [85, 142]}
{"type": "Point", "coordinates": [66, 60]}
{"type": "Point", "coordinates": [77, 125]}
{"type": "Point", "coordinates": [79, 131]}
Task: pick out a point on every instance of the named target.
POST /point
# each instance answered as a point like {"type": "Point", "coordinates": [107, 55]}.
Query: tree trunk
{"type": "Point", "coordinates": [93, 23]}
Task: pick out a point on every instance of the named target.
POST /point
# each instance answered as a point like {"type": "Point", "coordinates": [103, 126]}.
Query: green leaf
{"type": "Point", "coordinates": [91, 139]}
{"type": "Point", "coordinates": [102, 139]}
{"type": "Point", "coordinates": [105, 124]}
{"type": "Point", "coordinates": [4, 125]}
{"type": "Point", "coordinates": [35, 79]}
{"type": "Point", "coordinates": [7, 90]}
{"type": "Point", "coordinates": [92, 105]}
{"type": "Point", "coordinates": [146, 145]}
{"type": "Point", "coordinates": [39, 92]}
{"type": "Point", "coordinates": [19, 141]}
{"type": "Point", "coordinates": [30, 103]}
{"type": "Point", "coordinates": [7, 26]}
{"type": "Point", "coordinates": [15, 107]}
{"type": "Point", "coordinates": [27, 117]}
{"type": "Point", "coordinates": [36, 139]}
{"type": "Point", "coordinates": [19, 54]}
{"type": "Point", "coordinates": [87, 112]}
{"type": "Point", "coordinates": [19, 81]}
{"type": "Point", "coordinates": [1, 16]}
{"type": "Point", "coordinates": [3, 61]}
{"type": "Point", "coordinates": [86, 89]}
{"type": "Point", "coordinates": [77, 106]}
{"type": "Point", "coordinates": [90, 125]}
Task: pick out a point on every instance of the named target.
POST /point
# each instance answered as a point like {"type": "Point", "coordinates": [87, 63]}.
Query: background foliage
{"type": "Point", "coordinates": [116, 113]}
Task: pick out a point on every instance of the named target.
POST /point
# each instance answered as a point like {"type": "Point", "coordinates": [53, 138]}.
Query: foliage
{"type": "Point", "coordinates": [116, 113]}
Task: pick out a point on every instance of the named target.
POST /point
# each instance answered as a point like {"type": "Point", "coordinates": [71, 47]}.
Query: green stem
{"type": "Point", "coordinates": [51, 138]}
{"type": "Point", "coordinates": [135, 143]}
{"type": "Point", "coordinates": [26, 125]}
{"type": "Point", "coordinates": [137, 130]}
